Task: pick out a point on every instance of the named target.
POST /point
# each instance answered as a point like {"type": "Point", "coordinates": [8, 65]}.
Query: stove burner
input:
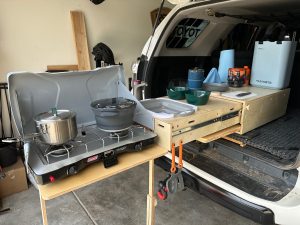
{"type": "Point", "coordinates": [58, 150]}
{"type": "Point", "coordinates": [119, 134]}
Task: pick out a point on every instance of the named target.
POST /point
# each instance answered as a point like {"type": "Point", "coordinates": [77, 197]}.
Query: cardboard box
{"type": "Point", "coordinates": [15, 179]}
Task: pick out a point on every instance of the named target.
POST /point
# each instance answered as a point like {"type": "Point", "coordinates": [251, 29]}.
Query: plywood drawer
{"type": "Point", "coordinates": [217, 115]}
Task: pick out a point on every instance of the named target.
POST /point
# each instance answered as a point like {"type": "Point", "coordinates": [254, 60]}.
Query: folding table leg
{"type": "Point", "coordinates": [43, 208]}
{"type": "Point", "coordinates": [151, 200]}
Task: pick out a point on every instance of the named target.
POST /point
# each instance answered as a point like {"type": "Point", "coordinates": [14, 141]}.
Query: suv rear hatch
{"type": "Point", "coordinates": [267, 166]}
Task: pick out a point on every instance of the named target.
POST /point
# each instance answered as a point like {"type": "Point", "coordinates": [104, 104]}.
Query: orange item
{"type": "Point", "coordinates": [173, 167]}
{"type": "Point", "coordinates": [238, 77]}
{"type": "Point", "coordinates": [180, 163]}
{"type": "Point", "coordinates": [248, 71]}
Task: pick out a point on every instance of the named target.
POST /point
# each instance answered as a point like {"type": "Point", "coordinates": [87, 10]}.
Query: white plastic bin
{"type": "Point", "coordinates": [272, 64]}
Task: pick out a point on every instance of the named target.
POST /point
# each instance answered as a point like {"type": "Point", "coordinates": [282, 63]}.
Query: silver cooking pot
{"type": "Point", "coordinates": [57, 126]}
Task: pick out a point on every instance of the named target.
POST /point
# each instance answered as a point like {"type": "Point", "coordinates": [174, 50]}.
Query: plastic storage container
{"type": "Point", "coordinates": [272, 64]}
{"type": "Point", "coordinates": [195, 78]}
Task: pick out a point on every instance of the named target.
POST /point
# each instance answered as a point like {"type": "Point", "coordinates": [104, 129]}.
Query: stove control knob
{"type": "Point", "coordinates": [138, 146]}
{"type": "Point", "coordinates": [51, 179]}
{"type": "Point", "coordinates": [72, 170]}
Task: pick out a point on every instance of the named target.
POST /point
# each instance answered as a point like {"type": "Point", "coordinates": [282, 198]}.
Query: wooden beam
{"type": "Point", "coordinates": [62, 67]}
{"type": "Point", "coordinates": [234, 141]}
{"type": "Point", "coordinates": [80, 38]}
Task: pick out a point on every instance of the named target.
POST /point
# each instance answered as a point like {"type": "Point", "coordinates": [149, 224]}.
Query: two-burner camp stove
{"type": "Point", "coordinates": [33, 93]}
{"type": "Point", "coordinates": [48, 163]}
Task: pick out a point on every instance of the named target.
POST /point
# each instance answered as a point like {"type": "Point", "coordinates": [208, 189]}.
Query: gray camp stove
{"type": "Point", "coordinates": [48, 163]}
{"type": "Point", "coordinates": [33, 93]}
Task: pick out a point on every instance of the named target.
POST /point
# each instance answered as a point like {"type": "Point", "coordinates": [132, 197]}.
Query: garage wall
{"type": "Point", "coordinates": [37, 33]}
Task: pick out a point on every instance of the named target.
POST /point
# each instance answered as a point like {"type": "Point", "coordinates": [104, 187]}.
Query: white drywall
{"type": "Point", "coordinates": [37, 33]}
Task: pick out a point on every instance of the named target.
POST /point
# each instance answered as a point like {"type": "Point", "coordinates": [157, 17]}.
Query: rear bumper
{"type": "Point", "coordinates": [245, 208]}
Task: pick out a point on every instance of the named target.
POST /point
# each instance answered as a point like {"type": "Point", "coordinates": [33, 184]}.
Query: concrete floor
{"type": "Point", "coordinates": [119, 200]}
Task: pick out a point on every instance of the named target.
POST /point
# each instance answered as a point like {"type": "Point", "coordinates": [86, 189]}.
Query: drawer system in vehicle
{"type": "Point", "coordinates": [222, 116]}
{"type": "Point", "coordinates": [217, 115]}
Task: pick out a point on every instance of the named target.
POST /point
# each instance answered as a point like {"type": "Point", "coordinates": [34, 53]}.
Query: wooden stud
{"type": "Point", "coordinates": [81, 43]}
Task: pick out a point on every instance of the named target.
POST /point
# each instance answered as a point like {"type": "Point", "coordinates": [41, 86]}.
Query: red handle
{"type": "Point", "coordinates": [161, 196]}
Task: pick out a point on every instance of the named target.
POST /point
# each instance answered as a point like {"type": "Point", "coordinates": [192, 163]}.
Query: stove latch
{"type": "Point", "coordinates": [110, 158]}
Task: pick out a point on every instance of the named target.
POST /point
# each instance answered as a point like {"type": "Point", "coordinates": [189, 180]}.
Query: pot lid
{"type": "Point", "coordinates": [113, 103]}
{"type": "Point", "coordinates": [34, 93]}
{"type": "Point", "coordinates": [54, 115]}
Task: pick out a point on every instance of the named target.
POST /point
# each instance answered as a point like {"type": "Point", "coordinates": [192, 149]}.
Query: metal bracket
{"type": "Point", "coordinates": [218, 119]}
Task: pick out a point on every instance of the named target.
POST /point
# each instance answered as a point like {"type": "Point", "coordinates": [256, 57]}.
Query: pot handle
{"type": "Point", "coordinates": [186, 113]}
{"type": "Point", "coordinates": [54, 111]}
{"type": "Point", "coordinates": [18, 139]}
{"type": "Point", "coordinates": [109, 113]}
{"type": "Point", "coordinates": [43, 128]}
{"type": "Point", "coordinates": [10, 140]}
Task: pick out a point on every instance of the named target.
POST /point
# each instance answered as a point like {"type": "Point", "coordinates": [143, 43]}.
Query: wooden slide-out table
{"type": "Point", "coordinates": [97, 172]}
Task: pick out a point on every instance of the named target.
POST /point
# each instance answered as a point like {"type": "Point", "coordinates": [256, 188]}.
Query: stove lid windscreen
{"type": "Point", "coordinates": [33, 93]}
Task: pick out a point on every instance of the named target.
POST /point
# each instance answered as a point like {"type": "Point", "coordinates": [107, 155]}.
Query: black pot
{"type": "Point", "coordinates": [114, 114]}
{"type": "Point", "coordinates": [8, 154]}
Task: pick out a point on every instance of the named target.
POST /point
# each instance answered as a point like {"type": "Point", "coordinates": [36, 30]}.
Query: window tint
{"type": "Point", "coordinates": [186, 32]}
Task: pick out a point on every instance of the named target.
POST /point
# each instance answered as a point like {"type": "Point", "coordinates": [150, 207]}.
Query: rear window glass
{"type": "Point", "coordinates": [186, 32]}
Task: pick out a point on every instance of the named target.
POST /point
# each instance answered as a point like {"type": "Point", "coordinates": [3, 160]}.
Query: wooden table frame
{"type": "Point", "coordinates": [97, 172]}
